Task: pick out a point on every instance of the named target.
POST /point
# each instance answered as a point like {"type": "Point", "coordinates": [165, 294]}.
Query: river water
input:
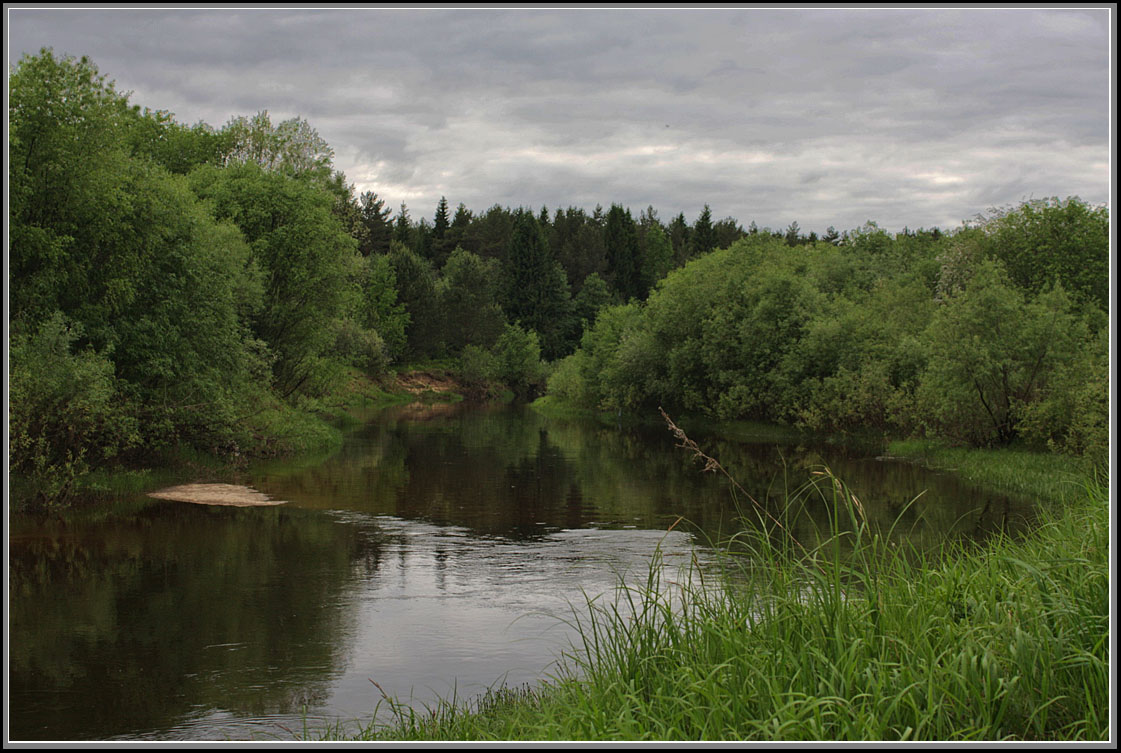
{"type": "Point", "coordinates": [442, 551]}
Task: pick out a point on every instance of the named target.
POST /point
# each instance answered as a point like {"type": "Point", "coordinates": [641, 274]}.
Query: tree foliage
{"type": "Point", "coordinates": [535, 289]}
{"type": "Point", "coordinates": [470, 310]}
{"type": "Point", "coordinates": [865, 336]}
{"type": "Point", "coordinates": [291, 146]}
{"type": "Point", "coordinates": [304, 256]}
{"type": "Point", "coordinates": [624, 262]}
{"type": "Point", "coordinates": [416, 291]}
{"type": "Point", "coordinates": [1050, 240]}
{"type": "Point", "coordinates": [993, 351]}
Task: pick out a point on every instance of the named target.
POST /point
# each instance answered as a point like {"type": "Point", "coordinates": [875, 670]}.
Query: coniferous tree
{"type": "Point", "coordinates": [726, 232]}
{"type": "Point", "coordinates": [423, 241]}
{"type": "Point", "coordinates": [793, 235]}
{"type": "Point", "coordinates": [489, 235]}
{"type": "Point", "coordinates": [624, 265]}
{"type": "Point", "coordinates": [402, 227]}
{"type": "Point", "coordinates": [658, 257]}
{"type": "Point", "coordinates": [442, 221]}
{"type": "Point", "coordinates": [679, 238]}
{"type": "Point", "coordinates": [462, 218]}
{"type": "Point", "coordinates": [442, 242]}
{"type": "Point", "coordinates": [456, 237]}
{"type": "Point", "coordinates": [348, 211]}
{"type": "Point", "coordinates": [536, 292]}
{"type": "Point", "coordinates": [379, 230]}
{"type": "Point", "coordinates": [577, 243]}
{"type": "Point", "coordinates": [703, 238]}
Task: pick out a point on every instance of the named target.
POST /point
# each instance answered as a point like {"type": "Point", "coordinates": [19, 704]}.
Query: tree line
{"type": "Point", "coordinates": [994, 334]}
{"type": "Point", "coordinates": [178, 285]}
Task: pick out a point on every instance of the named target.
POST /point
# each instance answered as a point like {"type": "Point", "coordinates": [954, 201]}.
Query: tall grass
{"type": "Point", "coordinates": [1043, 476]}
{"type": "Point", "coordinates": [852, 638]}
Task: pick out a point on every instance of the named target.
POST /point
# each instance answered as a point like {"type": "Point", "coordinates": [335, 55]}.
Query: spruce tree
{"type": "Point", "coordinates": [441, 222]}
{"type": "Point", "coordinates": [620, 241]}
{"type": "Point", "coordinates": [703, 237]}
{"type": "Point", "coordinates": [402, 228]}
{"type": "Point", "coordinates": [379, 230]}
{"type": "Point", "coordinates": [536, 291]}
{"type": "Point", "coordinates": [679, 238]}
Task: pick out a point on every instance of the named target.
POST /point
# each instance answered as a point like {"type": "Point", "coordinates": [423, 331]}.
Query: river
{"type": "Point", "coordinates": [443, 550]}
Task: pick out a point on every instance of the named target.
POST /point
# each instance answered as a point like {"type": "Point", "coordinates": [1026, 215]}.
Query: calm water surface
{"type": "Point", "coordinates": [439, 552]}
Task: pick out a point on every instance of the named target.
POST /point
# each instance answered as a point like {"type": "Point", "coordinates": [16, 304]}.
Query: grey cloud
{"type": "Point", "coordinates": [830, 117]}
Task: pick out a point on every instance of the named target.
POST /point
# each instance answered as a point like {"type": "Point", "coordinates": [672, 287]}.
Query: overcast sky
{"type": "Point", "coordinates": [911, 117]}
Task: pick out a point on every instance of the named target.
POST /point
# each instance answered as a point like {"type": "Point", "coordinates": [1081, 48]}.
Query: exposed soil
{"type": "Point", "coordinates": [419, 382]}
{"type": "Point", "coordinates": [216, 494]}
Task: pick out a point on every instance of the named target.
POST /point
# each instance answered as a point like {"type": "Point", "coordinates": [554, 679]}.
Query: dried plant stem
{"type": "Point", "coordinates": [711, 464]}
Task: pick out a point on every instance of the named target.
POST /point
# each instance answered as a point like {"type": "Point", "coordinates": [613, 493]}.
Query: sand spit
{"type": "Point", "coordinates": [216, 494]}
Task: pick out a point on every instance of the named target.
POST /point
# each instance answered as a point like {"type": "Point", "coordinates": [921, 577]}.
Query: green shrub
{"type": "Point", "coordinates": [361, 347]}
{"type": "Point", "coordinates": [567, 380]}
{"type": "Point", "coordinates": [478, 366]}
{"type": "Point", "coordinates": [66, 413]}
{"type": "Point", "coordinates": [993, 353]}
{"type": "Point", "coordinates": [518, 355]}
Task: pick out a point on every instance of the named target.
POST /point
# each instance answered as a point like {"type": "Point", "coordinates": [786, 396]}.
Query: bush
{"type": "Point", "coordinates": [478, 367]}
{"type": "Point", "coordinates": [994, 355]}
{"type": "Point", "coordinates": [1074, 415]}
{"type": "Point", "coordinates": [361, 347]}
{"type": "Point", "coordinates": [66, 412]}
{"type": "Point", "coordinates": [567, 380]}
{"type": "Point", "coordinates": [518, 355]}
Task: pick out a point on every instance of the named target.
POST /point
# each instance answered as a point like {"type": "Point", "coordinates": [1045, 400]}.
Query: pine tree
{"type": "Point", "coordinates": [793, 234]}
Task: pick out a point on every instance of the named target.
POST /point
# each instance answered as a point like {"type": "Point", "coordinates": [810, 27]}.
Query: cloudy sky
{"type": "Point", "coordinates": [911, 117]}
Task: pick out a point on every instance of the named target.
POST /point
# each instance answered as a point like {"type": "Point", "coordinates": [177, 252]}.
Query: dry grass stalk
{"type": "Point", "coordinates": [712, 465]}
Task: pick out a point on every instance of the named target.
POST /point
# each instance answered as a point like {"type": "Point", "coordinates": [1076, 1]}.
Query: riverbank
{"type": "Point", "coordinates": [1008, 640]}
{"type": "Point", "coordinates": [1044, 476]}
{"type": "Point", "coordinates": [310, 427]}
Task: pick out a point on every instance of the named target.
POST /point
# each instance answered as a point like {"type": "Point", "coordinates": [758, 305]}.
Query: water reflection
{"type": "Point", "coordinates": [436, 553]}
{"type": "Point", "coordinates": [124, 626]}
{"type": "Point", "coordinates": [507, 471]}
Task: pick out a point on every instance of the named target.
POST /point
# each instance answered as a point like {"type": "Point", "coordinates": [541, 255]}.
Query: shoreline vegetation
{"type": "Point", "coordinates": [852, 640]}
{"type": "Point", "coordinates": [314, 430]}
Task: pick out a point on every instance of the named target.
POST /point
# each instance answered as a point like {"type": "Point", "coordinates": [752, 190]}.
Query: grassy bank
{"type": "Point", "coordinates": [551, 406]}
{"type": "Point", "coordinates": [1003, 641]}
{"type": "Point", "coordinates": [1044, 476]}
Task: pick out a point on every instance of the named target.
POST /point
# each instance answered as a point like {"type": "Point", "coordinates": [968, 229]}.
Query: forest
{"type": "Point", "coordinates": [176, 285]}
